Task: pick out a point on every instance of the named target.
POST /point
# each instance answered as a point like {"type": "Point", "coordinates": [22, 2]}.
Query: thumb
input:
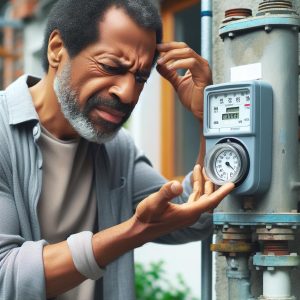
{"type": "Point", "coordinates": [152, 208]}
{"type": "Point", "coordinates": [168, 191]}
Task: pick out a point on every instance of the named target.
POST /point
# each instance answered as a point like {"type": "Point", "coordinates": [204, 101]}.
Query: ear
{"type": "Point", "coordinates": [55, 49]}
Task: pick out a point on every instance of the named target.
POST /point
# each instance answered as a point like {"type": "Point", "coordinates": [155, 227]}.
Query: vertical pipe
{"type": "Point", "coordinates": [206, 52]}
{"type": "Point", "coordinates": [277, 283]}
{"type": "Point", "coordinates": [238, 275]}
{"type": "Point", "coordinates": [206, 30]}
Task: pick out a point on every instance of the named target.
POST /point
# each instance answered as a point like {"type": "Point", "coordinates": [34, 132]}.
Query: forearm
{"type": "Point", "coordinates": [60, 272]}
{"type": "Point", "coordinates": [154, 216]}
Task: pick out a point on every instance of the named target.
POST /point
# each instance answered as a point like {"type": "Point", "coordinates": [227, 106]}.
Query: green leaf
{"type": "Point", "coordinates": [151, 283]}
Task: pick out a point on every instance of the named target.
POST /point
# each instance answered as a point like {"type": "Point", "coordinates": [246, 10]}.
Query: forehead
{"type": "Point", "coordinates": [123, 37]}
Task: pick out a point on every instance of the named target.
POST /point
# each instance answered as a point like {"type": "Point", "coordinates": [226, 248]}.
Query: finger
{"type": "Point", "coordinates": [206, 203]}
{"type": "Point", "coordinates": [167, 192]}
{"type": "Point", "coordinates": [208, 187]}
{"type": "Point", "coordinates": [170, 75]}
{"type": "Point", "coordinates": [177, 54]}
{"type": "Point", "coordinates": [197, 184]}
{"type": "Point", "coordinates": [191, 63]}
{"type": "Point", "coordinates": [198, 180]}
{"type": "Point", "coordinates": [217, 196]}
{"type": "Point", "coordinates": [170, 46]}
{"type": "Point", "coordinates": [206, 178]}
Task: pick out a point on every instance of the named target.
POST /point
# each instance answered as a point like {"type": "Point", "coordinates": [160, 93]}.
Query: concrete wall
{"type": "Point", "coordinates": [219, 7]}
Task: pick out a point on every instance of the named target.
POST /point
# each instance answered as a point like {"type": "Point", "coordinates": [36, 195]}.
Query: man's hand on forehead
{"type": "Point", "coordinates": [189, 87]}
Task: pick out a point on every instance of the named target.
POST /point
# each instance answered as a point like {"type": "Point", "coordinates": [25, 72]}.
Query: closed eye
{"type": "Point", "coordinates": [140, 79]}
{"type": "Point", "coordinates": [112, 70]}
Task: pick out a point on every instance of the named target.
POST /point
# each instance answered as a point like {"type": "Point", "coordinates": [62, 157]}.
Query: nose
{"type": "Point", "coordinates": [125, 88]}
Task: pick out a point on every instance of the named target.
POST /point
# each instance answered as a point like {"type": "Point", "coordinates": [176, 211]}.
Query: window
{"type": "Point", "coordinates": [180, 144]}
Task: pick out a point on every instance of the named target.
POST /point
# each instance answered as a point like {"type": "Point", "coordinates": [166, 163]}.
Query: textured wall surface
{"type": "Point", "coordinates": [219, 8]}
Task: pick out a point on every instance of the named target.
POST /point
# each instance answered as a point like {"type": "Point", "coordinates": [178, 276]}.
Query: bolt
{"type": "Point", "coordinates": [269, 227]}
{"type": "Point", "coordinates": [257, 268]}
{"type": "Point", "coordinates": [242, 227]}
{"type": "Point", "coordinates": [294, 227]}
{"type": "Point", "coordinates": [270, 268]}
{"type": "Point", "coordinates": [231, 35]}
{"type": "Point", "coordinates": [271, 254]}
{"type": "Point", "coordinates": [293, 254]}
{"type": "Point", "coordinates": [268, 28]}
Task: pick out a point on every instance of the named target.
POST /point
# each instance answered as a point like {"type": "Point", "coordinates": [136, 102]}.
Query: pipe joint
{"type": "Point", "coordinates": [292, 260]}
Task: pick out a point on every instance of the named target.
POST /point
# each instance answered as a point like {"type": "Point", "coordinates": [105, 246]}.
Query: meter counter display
{"type": "Point", "coordinates": [230, 109]}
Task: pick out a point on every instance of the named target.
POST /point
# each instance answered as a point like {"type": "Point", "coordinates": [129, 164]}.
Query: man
{"type": "Point", "coordinates": [67, 170]}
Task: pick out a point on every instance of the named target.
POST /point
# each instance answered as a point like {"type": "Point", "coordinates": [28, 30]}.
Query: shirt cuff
{"type": "Point", "coordinates": [80, 245]}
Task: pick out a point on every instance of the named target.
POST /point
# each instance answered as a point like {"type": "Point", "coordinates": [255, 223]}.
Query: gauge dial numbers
{"type": "Point", "coordinates": [226, 162]}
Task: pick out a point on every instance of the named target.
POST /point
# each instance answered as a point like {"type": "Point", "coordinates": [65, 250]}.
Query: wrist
{"type": "Point", "coordinates": [117, 240]}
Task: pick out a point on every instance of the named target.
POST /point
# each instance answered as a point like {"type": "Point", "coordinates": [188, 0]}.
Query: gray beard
{"type": "Point", "coordinates": [69, 103]}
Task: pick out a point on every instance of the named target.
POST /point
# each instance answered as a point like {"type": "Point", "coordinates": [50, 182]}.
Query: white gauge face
{"type": "Point", "coordinates": [230, 109]}
{"type": "Point", "coordinates": [227, 164]}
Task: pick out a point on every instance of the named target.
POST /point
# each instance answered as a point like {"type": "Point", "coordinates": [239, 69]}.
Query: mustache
{"type": "Point", "coordinates": [114, 103]}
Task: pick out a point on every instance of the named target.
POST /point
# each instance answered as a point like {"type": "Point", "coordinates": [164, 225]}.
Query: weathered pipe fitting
{"type": "Point", "coordinates": [268, 298]}
{"type": "Point", "coordinates": [237, 233]}
{"type": "Point", "coordinates": [276, 7]}
{"type": "Point", "coordinates": [238, 278]}
{"type": "Point", "coordinates": [237, 14]}
{"type": "Point", "coordinates": [276, 260]}
{"type": "Point", "coordinates": [275, 234]}
{"type": "Point", "coordinates": [233, 247]}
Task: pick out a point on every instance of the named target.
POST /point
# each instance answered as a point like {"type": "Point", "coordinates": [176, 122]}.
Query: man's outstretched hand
{"type": "Point", "coordinates": [159, 213]}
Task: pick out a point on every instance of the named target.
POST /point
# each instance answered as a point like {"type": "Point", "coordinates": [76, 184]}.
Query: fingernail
{"type": "Point", "coordinates": [160, 60]}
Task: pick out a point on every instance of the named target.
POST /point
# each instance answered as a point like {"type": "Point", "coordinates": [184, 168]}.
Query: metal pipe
{"type": "Point", "coordinates": [276, 283]}
{"type": "Point", "coordinates": [238, 278]}
{"type": "Point", "coordinates": [206, 30]}
{"type": "Point", "coordinates": [206, 52]}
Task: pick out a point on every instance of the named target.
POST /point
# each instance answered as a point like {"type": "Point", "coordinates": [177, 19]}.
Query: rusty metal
{"type": "Point", "coordinates": [237, 233]}
{"type": "Point", "coordinates": [237, 14]}
{"type": "Point", "coordinates": [276, 248]}
{"type": "Point", "coordinates": [248, 204]}
{"type": "Point", "coordinates": [275, 234]}
{"type": "Point", "coordinates": [233, 247]}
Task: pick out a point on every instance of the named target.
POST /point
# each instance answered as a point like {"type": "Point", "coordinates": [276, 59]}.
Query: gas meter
{"type": "Point", "coordinates": [238, 130]}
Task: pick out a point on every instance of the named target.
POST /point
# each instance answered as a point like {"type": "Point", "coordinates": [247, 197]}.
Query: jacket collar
{"type": "Point", "coordinates": [19, 100]}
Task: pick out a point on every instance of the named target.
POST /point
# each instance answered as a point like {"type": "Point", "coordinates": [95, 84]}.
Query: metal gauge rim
{"type": "Point", "coordinates": [210, 158]}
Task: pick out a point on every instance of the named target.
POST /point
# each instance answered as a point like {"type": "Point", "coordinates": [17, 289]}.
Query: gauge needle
{"type": "Point", "coordinates": [228, 165]}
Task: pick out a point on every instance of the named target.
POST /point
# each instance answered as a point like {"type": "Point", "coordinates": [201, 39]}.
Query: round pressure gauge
{"type": "Point", "coordinates": [226, 162]}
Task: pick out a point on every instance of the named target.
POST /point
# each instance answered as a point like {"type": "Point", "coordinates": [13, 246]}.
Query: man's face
{"type": "Point", "coordinates": [99, 88]}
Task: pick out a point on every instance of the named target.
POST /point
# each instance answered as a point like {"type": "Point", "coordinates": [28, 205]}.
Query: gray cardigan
{"type": "Point", "coordinates": [123, 177]}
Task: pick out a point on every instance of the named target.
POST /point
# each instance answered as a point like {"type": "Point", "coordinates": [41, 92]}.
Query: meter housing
{"type": "Point", "coordinates": [238, 130]}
